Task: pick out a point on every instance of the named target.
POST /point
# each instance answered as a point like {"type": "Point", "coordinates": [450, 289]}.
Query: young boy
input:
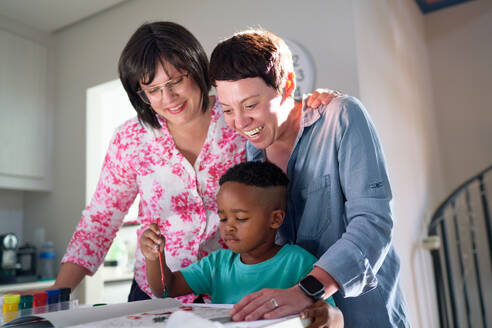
{"type": "Point", "coordinates": [251, 206]}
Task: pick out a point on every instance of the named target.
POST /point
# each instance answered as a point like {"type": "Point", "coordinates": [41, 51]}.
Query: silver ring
{"type": "Point", "coordinates": [274, 302]}
{"type": "Point", "coordinates": [336, 93]}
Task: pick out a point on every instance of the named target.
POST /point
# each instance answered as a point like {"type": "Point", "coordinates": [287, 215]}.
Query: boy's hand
{"type": "Point", "coordinates": [323, 315]}
{"type": "Point", "coordinates": [152, 242]}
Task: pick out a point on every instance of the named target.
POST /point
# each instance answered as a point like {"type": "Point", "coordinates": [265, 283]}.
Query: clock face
{"type": "Point", "coordinates": [303, 69]}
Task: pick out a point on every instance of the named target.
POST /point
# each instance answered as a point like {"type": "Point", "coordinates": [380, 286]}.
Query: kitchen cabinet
{"type": "Point", "coordinates": [116, 291]}
{"type": "Point", "coordinates": [25, 151]}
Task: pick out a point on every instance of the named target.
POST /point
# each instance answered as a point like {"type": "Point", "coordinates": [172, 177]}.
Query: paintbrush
{"type": "Point", "coordinates": [163, 277]}
{"type": "Point", "coordinates": [157, 247]}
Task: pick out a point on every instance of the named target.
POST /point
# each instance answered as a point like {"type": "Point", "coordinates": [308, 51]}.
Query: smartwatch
{"type": "Point", "coordinates": [312, 287]}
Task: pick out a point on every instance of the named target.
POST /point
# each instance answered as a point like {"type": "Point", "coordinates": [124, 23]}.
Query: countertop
{"type": "Point", "coordinates": [111, 274]}
{"type": "Point", "coordinates": [27, 285]}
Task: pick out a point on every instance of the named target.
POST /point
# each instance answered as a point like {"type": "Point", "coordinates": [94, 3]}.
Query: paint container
{"type": "Point", "coordinates": [53, 299]}
{"type": "Point", "coordinates": [65, 298]}
{"type": "Point", "coordinates": [1, 307]}
{"type": "Point", "coordinates": [10, 307]}
{"type": "Point", "coordinates": [25, 305]}
{"type": "Point", "coordinates": [74, 304]}
{"type": "Point", "coordinates": [39, 302]}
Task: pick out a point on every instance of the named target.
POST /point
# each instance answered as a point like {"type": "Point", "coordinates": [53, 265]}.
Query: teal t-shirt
{"type": "Point", "coordinates": [227, 280]}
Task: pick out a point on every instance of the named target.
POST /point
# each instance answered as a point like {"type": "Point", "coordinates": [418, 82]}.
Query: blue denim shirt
{"type": "Point", "coordinates": [339, 210]}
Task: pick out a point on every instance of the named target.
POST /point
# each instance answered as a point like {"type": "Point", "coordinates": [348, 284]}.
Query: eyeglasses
{"type": "Point", "coordinates": [154, 94]}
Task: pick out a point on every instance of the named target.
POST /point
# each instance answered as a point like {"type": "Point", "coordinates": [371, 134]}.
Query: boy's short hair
{"type": "Point", "coordinates": [252, 53]}
{"type": "Point", "coordinates": [257, 174]}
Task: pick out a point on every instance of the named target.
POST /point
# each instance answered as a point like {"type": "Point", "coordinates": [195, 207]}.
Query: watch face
{"type": "Point", "coordinates": [312, 285]}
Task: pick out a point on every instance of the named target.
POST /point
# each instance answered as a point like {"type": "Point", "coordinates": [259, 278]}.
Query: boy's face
{"type": "Point", "coordinates": [253, 109]}
{"type": "Point", "coordinates": [248, 220]}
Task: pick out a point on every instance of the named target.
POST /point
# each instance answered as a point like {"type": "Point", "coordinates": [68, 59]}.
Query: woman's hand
{"type": "Point", "coordinates": [321, 97]}
{"type": "Point", "coordinates": [323, 315]}
{"type": "Point", "coordinates": [270, 304]}
{"type": "Point", "coordinates": [151, 242]}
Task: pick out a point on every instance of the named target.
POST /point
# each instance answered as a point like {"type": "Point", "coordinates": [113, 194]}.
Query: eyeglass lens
{"type": "Point", "coordinates": [155, 94]}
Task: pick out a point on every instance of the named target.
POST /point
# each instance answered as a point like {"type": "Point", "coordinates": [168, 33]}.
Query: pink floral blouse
{"type": "Point", "coordinates": [177, 196]}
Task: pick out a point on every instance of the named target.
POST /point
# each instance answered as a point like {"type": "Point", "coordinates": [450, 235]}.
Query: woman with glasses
{"type": "Point", "coordinates": [172, 155]}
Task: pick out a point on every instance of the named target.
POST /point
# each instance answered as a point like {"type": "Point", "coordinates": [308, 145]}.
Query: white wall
{"type": "Point", "coordinates": [395, 85]}
{"type": "Point", "coordinates": [460, 49]}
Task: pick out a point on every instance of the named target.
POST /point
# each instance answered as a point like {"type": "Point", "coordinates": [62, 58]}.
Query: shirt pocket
{"type": "Point", "coordinates": [316, 216]}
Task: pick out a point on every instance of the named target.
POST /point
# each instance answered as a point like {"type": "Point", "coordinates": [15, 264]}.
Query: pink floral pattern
{"type": "Point", "coordinates": [177, 196]}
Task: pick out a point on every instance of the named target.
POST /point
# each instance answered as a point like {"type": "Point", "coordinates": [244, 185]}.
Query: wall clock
{"type": "Point", "coordinates": [303, 69]}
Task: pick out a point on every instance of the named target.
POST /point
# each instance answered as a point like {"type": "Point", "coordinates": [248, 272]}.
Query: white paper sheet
{"type": "Point", "coordinates": [190, 315]}
{"type": "Point", "coordinates": [158, 313]}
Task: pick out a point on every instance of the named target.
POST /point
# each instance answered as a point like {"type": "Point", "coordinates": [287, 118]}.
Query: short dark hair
{"type": "Point", "coordinates": [161, 41]}
{"type": "Point", "coordinates": [258, 174]}
{"type": "Point", "coordinates": [252, 53]}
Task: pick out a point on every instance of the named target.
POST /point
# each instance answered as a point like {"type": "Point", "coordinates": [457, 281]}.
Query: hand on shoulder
{"type": "Point", "coordinates": [321, 97]}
